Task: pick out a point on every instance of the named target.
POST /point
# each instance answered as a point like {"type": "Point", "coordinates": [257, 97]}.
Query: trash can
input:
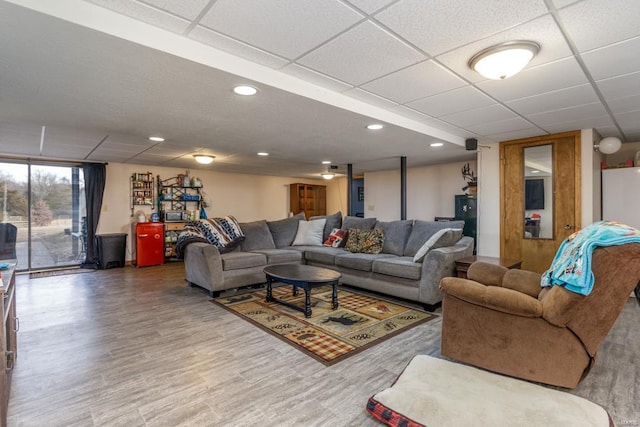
{"type": "Point", "coordinates": [111, 250]}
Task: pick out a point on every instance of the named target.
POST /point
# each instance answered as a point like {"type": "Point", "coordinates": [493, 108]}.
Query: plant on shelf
{"type": "Point", "coordinates": [470, 178]}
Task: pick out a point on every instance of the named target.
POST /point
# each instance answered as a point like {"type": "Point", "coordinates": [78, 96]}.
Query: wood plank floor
{"type": "Point", "coordinates": [138, 347]}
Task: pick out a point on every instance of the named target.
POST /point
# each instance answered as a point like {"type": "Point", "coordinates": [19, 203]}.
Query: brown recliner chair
{"type": "Point", "coordinates": [502, 320]}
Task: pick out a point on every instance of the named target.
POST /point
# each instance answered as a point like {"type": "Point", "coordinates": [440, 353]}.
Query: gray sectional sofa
{"type": "Point", "coordinates": [392, 271]}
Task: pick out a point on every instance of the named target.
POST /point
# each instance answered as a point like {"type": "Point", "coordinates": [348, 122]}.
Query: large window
{"type": "Point", "coordinates": [46, 205]}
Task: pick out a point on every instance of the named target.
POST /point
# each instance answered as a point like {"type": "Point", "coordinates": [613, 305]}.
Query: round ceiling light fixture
{"type": "Point", "coordinates": [326, 162]}
{"type": "Point", "coordinates": [204, 159]}
{"type": "Point", "coordinates": [245, 90]}
{"type": "Point", "coordinates": [327, 175]}
{"type": "Point", "coordinates": [156, 138]}
{"type": "Point", "coordinates": [375, 126]}
{"type": "Point", "coordinates": [504, 60]}
{"type": "Point", "coordinates": [608, 145]}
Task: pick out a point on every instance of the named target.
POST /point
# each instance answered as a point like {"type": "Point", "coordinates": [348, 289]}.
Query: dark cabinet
{"type": "Point", "coordinates": [467, 210]}
{"type": "Point", "coordinates": [307, 198]}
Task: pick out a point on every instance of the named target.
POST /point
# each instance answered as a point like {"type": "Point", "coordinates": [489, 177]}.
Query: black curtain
{"type": "Point", "coordinates": [95, 178]}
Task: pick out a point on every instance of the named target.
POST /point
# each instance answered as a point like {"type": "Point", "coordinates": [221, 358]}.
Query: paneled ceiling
{"type": "Point", "coordinates": [91, 80]}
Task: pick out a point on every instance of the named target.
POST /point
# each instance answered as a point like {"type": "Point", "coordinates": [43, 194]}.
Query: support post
{"type": "Point", "coordinates": [349, 187]}
{"type": "Point", "coordinates": [403, 187]}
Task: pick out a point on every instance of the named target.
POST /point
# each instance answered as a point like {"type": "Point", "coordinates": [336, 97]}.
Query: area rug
{"type": "Point", "coordinates": [329, 336]}
{"type": "Point", "coordinates": [435, 392]}
{"type": "Point", "coordinates": [49, 273]}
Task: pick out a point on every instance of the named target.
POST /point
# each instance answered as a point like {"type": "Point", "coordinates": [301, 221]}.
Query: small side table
{"type": "Point", "coordinates": [462, 265]}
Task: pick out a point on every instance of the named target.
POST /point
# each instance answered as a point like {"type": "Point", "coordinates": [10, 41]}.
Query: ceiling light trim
{"type": "Point", "coordinates": [482, 63]}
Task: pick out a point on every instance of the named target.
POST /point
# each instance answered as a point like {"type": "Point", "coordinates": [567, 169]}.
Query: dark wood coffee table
{"type": "Point", "coordinates": [306, 277]}
{"type": "Point", "coordinates": [463, 264]}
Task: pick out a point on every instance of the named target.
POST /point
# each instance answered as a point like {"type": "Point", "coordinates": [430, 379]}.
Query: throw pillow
{"type": "Point", "coordinates": [441, 238]}
{"type": "Point", "coordinates": [365, 241]}
{"type": "Point", "coordinates": [309, 233]}
{"type": "Point", "coordinates": [333, 221]}
{"type": "Point", "coordinates": [256, 236]}
{"type": "Point", "coordinates": [337, 238]}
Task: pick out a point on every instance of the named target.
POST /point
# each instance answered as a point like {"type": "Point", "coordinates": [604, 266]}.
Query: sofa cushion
{"type": "Point", "coordinates": [333, 221]}
{"type": "Point", "coordinates": [322, 255]}
{"type": "Point", "coordinates": [256, 236]}
{"type": "Point", "coordinates": [280, 256]}
{"type": "Point", "coordinates": [350, 222]}
{"type": "Point", "coordinates": [398, 267]}
{"type": "Point", "coordinates": [423, 230]}
{"type": "Point", "coordinates": [396, 234]}
{"type": "Point", "coordinates": [284, 231]}
{"type": "Point", "coordinates": [309, 233]}
{"type": "Point", "coordinates": [240, 260]}
{"type": "Point", "coordinates": [441, 238]}
{"type": "Point", "coordinates": [360, 262]}
{"type": "Point", "coordinates": [365, 241]}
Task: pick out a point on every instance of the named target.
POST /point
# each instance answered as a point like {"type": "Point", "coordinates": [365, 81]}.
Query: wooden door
{"type": "Point", "coordinates": [537, 253]}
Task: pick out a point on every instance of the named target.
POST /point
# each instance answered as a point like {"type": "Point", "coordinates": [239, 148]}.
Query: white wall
{"type": "Point", "coordinates": [590, 177]}
{"type": "Point", "coordinates": [430, 191]}
{"type": "Point", "coordinates": [247, 197]}
{"type": "Point", "coordinates": [489, 201]}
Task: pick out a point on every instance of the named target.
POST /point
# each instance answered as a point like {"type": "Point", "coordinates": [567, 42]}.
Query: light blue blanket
{"type": "Point", "coordinates": [571, 267]}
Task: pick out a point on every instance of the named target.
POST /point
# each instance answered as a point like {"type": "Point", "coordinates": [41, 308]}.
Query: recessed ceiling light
{"type": "Point", "coordinates": [262, 153]}
{"type": "Point", "coordinates": [245, 90]}
{"type": "Point", "coordinates": [375, 126]}
{"type": "Point", "coordinates": [436, 144]}
{"type": "Point", "coordinates": [156, 138]}
{"type": "Point", "coordinates": [204, 159]}
{"type": "Point", "coordinates": [326, 162]}
{"type": "Point", "coordinates": [535, 171]}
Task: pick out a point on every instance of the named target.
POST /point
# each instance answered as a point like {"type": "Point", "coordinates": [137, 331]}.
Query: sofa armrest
{"type": "Point", "coordinates": [493, 297]}
{"type": "Point", "coordinates": [203, 265]}
{"type": "Point", "coordinates": [439, 263]}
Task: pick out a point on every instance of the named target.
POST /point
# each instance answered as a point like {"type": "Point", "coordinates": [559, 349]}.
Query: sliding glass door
{"type": "Point", "coordinates": [45, 204]}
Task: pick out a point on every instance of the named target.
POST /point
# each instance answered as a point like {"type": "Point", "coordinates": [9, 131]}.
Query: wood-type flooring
{"type": "Point", "coordinates": [138, 347]}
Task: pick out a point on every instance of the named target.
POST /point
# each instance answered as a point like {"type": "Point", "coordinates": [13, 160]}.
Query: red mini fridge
{"type": "Point", "coordinates": [148, 243]}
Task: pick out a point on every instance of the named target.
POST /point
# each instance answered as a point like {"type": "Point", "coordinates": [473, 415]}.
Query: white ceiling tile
{"type": "Point", "coordinates": [370, 6]}
{"type": "Point", "coordinates": [629, 120]}
{"type": "Point", "coordinates": [415, 82]}
{"type": "Point", "coordinates": [370, 98]}
{"type": "Point", "coordinates": [567, 114]}
{"type": "Point", "coordinates": [437, 26]}
{"type": "Point", "coordinates": [361, 55]}
{"type": "Point", "coordinates": [582, 123]}
{"type": "Point", "coordinates": [287, 27]}
{"type": "Point", "coordinates": [501, 126]}
{"type": "Point", "coordinates": [315, 78]}
{"type": "Point", "coordinates": [518, 134]}
{"type": "Point", "coordinates": [543, 31]}
{"type": "Point", "coordinates": [625, 105]}
{"type": "Point", "coordinates": [222, 42]}
{"type": "Point", "coordinates": [562, 3]}
{"type": "Point", "coordinates": [614, 60]}
{"type": "Point", "coordinates": [563, 98]}
{"type": "Point", "coordinates": [491, 113]}
{"type": "Point", "coordinates": [145, 13]}
{"type": "Point", "coordinates": [186, 9]}
{"type": "Point", "coordinates": [606, 131]}
{"type": "Point", "coordinates": [621, 86]}
{"type": "Point", "coordinates": [532, 81]}
{"type": "Point", "coordinates": [596, 23]}
{"type": "Point", "coordinates": [465, 98]}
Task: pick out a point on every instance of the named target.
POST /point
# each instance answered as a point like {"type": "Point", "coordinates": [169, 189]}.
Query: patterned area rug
{"type": "Point", "coordinates": [329, 336]}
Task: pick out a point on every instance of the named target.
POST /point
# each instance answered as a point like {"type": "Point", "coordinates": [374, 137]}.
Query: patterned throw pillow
{"type": "Point", "coordinates": [365, 241]}
{"type": "Point", "coordinates": [337, 238]}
